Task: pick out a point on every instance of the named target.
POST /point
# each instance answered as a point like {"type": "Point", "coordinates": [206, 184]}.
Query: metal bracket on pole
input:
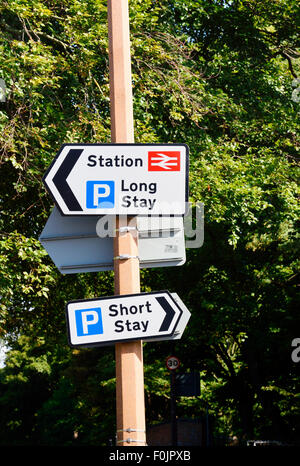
{"type": "Point", "coordinates": [126, 256]}
{"type": "Point", "coordinates": [131, 430]}
{"type": "Point", "coordinates": [125, 229]}
{"type": "Point", "coordinates": [130, 440]}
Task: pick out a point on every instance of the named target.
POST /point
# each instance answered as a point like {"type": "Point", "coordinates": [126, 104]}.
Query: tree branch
{"type": "Point", "coordinates": [288, 58]}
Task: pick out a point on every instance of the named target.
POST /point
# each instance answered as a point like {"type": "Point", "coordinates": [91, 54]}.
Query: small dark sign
{"type": "Point", "coordinates": [188, 384]}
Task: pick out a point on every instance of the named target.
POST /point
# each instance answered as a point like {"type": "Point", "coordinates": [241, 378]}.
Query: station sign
{"type": "Point", "coordinates": [120, 179]}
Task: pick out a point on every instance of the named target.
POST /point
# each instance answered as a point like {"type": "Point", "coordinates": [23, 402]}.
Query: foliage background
{"type": "Point", "coordinates": [218, 75]}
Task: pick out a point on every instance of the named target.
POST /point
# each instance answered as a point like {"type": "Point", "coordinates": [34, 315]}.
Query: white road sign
{"type": "Point", "coordinates": [120, 179]}
{"type": "Point", "coordinates": [181, 324]}
{"type": "Point", "coordinates": [103, 321]}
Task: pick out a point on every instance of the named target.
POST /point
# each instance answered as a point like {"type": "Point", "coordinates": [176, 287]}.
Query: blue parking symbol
{"type": "Point", "coordinates": [88, 321]}
{"type": "Point", "coordinates": [100, 194]}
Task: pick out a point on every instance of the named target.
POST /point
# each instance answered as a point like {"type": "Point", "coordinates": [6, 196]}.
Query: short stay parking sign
{"type": "Point", "coordinates": [102, 321]}
{"type": "Point", "coordinates": [119, 179]}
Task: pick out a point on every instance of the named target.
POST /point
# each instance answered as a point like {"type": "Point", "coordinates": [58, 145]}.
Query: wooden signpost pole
{"type": "Point", "coordinates": [129, 356]}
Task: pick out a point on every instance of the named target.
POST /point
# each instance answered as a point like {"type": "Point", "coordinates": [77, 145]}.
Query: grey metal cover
{"type": "Point", "coordinates": [74, 246]}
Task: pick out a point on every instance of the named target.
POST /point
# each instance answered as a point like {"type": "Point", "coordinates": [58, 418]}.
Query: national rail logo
{"type": "Point", "coordinates": [163, 161]}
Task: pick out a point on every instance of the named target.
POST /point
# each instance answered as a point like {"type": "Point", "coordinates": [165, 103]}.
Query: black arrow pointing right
{"type": "Point", "coordinates": [61, 176]}
{"type": "Point", "coordinates": [169, 313]}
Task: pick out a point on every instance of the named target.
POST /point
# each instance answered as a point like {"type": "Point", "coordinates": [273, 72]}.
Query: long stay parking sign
{"type": "Point", "coordinates": [120, 179]}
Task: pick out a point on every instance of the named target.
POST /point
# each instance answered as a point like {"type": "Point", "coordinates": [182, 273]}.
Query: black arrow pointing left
{"type": "Point", "coordinates": [60, 179]}
{"type": "Point", "coordinates": [170, 313]}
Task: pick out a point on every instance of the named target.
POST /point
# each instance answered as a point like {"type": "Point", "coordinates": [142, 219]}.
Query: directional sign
{"type": "Point", "coordinates": [102, 321]}
{"type": "Point", "coordinates": [120, 179]}
{"type": "Point", "coordinates": [74, 246]}
{"type": "Point", "coordinates": [181, 324]}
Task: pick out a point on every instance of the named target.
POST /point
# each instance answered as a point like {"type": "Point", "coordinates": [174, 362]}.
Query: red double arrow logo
{"type": "Point", "coordinates": [163, 161]}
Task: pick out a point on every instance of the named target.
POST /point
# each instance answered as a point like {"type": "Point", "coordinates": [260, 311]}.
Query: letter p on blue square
{"type": "Point", "coordinates": [100, 194]}
{"type": "Point", "coordinates": [88, 321]}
